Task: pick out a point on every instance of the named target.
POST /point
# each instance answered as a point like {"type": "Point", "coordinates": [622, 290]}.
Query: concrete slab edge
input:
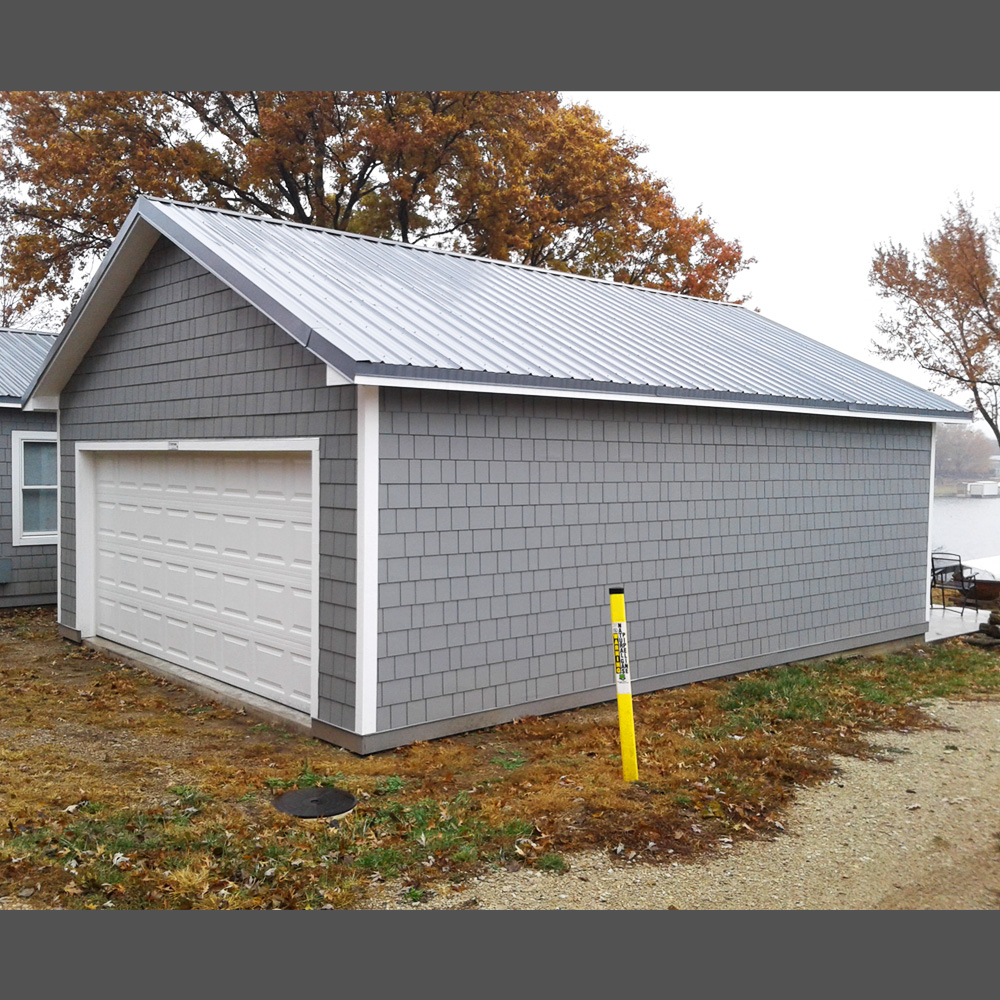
{"type": "Point", "coordinates": [207, 687]}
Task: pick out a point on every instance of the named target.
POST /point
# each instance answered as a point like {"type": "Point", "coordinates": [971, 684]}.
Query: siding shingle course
{"type": "Point", "coordinates": [736, 534]}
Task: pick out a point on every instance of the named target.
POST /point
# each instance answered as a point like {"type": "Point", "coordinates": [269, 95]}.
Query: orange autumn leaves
{"type": "Point", "coordinates": [517, 176]}
{"type": "Point", "coordinates": [946, 301]}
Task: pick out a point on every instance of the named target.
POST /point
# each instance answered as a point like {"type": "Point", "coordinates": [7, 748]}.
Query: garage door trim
{"type": "Point", "coordinates": [86, 534]}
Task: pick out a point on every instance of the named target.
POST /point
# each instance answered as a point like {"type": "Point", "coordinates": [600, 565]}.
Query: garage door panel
{"type": "Point", "coordinates": [151, 574]}
{"type": "Point", "coordinates": [177, 583]}
{"type": "Point", "coordinates": [204, 589]}
{"type": "Point", "coordinates": [206, 645]}
{"type": "Point", "coordinates": [177, 636]}
{"type": "Point", "coordinates": [217, 576]}
{"type": "Point", "coordinates": [151, 625]}
{"type": "Point", "coordinates": [128, 619]}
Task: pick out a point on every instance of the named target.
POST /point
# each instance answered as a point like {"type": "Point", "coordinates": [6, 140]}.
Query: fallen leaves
{"type": "Point", "coordinates": [194, 828]}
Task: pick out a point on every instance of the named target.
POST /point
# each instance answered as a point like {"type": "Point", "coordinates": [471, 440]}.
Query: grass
{"type": "Point", "coordinates": [509, 762]}
{"type": "Point", "coordinates": [124, 791]}
{"type": "Point", "coordinates": [306, 778]}
{"type": "Point", "coordinates": [189, 796]}
{"type": "Point", "coordinates": [552, 863]}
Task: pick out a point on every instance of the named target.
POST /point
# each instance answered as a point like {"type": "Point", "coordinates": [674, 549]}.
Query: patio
{"type": "Point", "coordinates": [948, 622]}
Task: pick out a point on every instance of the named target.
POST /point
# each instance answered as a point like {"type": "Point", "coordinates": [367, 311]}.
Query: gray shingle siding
{"type": "Point", "coordinates": [183, 357]}
{"type": "Point", "coordinates": [741, 537]}
{"type": "Point", "coordinates": [33, 567]}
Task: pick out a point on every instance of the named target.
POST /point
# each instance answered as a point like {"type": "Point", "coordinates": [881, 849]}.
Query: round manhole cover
{"type": "Point", "coordinates": [309, 803]}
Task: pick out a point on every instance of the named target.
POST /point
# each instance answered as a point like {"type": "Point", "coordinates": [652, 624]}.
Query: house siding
{"type": "Point", "coordinates": [184, 357]}
{"type": "Point", "coordinates": [33, 567]}
{"type": "Point", "coordinates": [742, 539]}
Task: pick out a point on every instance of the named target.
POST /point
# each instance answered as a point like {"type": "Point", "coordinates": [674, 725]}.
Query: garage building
{"type": "Point", "coordinates": [388, 487]}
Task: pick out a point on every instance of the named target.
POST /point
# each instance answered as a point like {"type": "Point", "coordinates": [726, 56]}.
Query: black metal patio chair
{"type": "Point", "coordinates": [948, 573]}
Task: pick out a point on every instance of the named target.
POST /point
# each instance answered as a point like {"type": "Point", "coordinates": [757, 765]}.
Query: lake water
{"type": "Point", "coordinates": [969, 526]}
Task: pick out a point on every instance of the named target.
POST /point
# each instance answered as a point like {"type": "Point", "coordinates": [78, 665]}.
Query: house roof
{"type": "Point", "coordinates": [379, 311]}
{"type": "Point", "coordinates": [22, 353]}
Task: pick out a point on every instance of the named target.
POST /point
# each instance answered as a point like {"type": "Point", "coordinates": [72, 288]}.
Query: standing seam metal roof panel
{"type": "Point", "coordinates": [400, 305]}
{"type": "Point", "coordinates": [22, 354]}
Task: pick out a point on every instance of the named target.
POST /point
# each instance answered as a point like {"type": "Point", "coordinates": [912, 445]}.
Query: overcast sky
{"type": "Point", "coordinates": [810, 183]}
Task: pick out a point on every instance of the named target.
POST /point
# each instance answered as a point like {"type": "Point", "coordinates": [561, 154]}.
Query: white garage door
{"type": "Point", "coordinates": [204, 559]}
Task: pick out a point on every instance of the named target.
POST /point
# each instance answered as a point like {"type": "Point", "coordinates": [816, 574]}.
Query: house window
{"type": "Point", "coordinates": [35, 487]}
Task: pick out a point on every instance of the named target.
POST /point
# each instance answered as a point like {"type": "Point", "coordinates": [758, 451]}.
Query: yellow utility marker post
{"type": "Point", "coordinates": [623, 684]}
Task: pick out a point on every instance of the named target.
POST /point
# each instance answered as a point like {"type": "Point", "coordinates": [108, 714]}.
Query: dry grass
{"type": "Point", "coordinates": [121, 789]}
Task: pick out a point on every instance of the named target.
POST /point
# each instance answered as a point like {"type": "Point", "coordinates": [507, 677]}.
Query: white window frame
{"type": "Point", "coordinates": [19, 536]}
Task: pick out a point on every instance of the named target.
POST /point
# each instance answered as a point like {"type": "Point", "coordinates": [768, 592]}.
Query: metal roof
{"type": "Point", "coordinates": [374, 308]}
{"type": "Point", "coordinates": [22, 354]}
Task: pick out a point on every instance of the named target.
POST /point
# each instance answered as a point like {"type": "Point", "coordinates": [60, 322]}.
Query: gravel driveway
{"type": "Point", "coordinates": [917, 829]}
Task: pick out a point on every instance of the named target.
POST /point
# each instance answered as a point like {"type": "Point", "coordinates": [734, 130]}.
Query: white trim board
{"type": "Point", "coordinates": [41, 404]}
{"type": "Point", "coordinates": [366, 640]}
{"type": "Point", "coordinates": [205, 444]}
{"type": "Point", "coordinates": [59, 519]}
{"type": "Point", "coordinates": [628, 397]}
{"type": "Point", "coordinates": [930, 525]}
{"type": "Point", "coordinates": [18, 439]}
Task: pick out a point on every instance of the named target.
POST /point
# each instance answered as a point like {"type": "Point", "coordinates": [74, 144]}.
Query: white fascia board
{"type": "Point", "coordinates": [965, 417]}
{"type": "Point", "coordinates": [628, 397]}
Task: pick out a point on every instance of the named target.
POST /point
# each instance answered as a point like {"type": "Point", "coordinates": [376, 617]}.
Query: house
{"type": "Point", "coordinates": [389, 487]}
{"type": "Point", "coordinates": [28, 484]}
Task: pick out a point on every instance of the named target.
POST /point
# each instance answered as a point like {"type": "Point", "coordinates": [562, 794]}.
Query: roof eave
{"type": "Point", "coordinates": [148, 221]}
{"type": "Point", "coordinates": [405, 376]}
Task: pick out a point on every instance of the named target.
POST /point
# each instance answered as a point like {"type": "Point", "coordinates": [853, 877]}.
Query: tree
{"type": "Point", "coordinates": [947, 303]}
{"type": "Point", "coordinates": [40, 316]}
{"type": "Point", "coordinates": [962, 452]}
{"type": "Point", "coordinates": [518, 176]}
